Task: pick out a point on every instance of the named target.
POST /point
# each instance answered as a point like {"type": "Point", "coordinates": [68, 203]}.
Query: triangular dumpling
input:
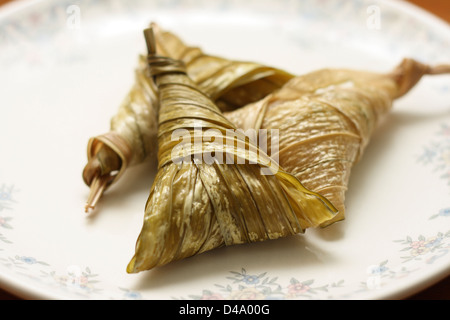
{"type": "Point", "coordinates": [221, 191]}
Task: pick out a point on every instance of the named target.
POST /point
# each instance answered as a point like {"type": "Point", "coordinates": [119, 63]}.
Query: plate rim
{"type": "Point", "coordinates": [17, 286]}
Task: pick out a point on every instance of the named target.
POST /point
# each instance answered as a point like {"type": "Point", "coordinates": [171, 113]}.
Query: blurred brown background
{"type": "Point", "coordinates": [441, 290]}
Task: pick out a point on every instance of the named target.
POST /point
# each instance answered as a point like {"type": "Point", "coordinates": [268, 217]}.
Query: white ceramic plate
{"type": "Point", "coordinates": [64, 70]}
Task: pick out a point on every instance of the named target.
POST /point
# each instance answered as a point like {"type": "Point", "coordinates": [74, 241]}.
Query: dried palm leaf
{"type": "Point", "coordinates": [132, 135]}
{"type": "Point", "coordinates": [328, 117]}
{"type": "Point", "coordinates": [196, 204]}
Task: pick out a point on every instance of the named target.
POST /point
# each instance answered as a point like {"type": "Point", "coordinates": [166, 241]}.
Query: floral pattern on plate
{"type": "Point", "coordinates": [437, 154]}
{"type": "Point", "coordinates": [245, 286]}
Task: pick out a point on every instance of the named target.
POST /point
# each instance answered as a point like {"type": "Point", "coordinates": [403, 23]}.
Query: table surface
{"type": "Point", "coordinates": [438, 291]}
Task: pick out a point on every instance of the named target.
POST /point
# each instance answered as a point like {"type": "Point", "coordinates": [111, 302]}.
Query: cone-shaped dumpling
{"type": "Point", "coordinates": [325, 120]}
{"type": "Point", "coordinates": [213, 186]}
{"type": "Point", "coordinates": [132, 135]}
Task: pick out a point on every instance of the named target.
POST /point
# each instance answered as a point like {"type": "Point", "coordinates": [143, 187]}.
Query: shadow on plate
{"type": "Point", "coordinates": [276, 256]}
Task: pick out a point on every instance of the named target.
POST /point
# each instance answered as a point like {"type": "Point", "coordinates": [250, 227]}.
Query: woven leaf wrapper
{"type": "Point", "coordinates": [326, 119]}
{"type": "Point", "coordinates": [132, 136]}
{"type": "Point", "coordinates": [196, 204]}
